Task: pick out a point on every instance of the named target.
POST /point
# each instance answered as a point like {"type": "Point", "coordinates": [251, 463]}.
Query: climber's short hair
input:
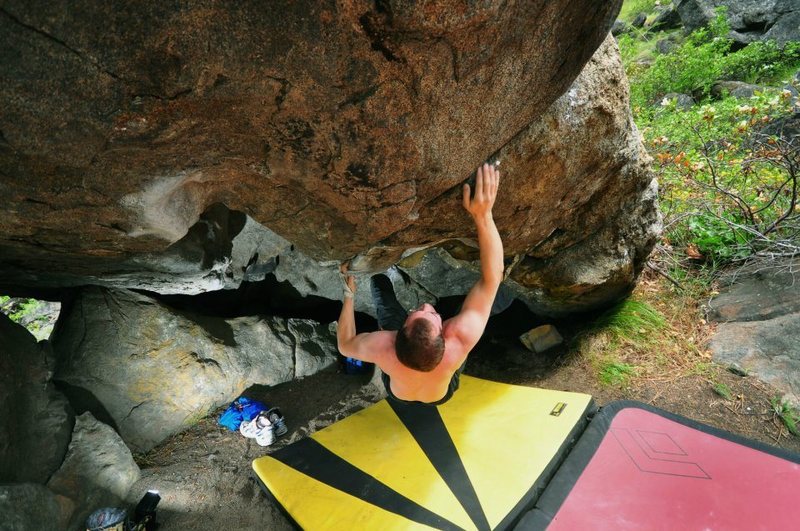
{"type": "Point", "coordinates": [419, 346]}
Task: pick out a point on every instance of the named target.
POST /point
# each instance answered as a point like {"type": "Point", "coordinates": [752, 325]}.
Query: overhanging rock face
{"type": "Point", "coordinates": [343, 128]}
{"type": "Point", "coordinates": [578, 211]}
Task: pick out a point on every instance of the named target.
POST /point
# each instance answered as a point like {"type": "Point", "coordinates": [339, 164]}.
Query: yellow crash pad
{"type": "Point", "coordinates": [475, 462]}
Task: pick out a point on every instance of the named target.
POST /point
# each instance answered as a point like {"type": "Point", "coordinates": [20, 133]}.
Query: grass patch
{"type": "Point", "coordinates": [787, 415]}
{"type": "Point", "coordinates": [635, 49]}
{"type": "Point", "coordinates": [631, 321]}
{"type": "Point", "coordinates": [631, 8]}
{"type": "Point", "coordinates": [657, 335]}
{"type": "Point", "coordinates": [616, 372]}
{"type": "Point", "coordinates": [703, 369]}
{"type": "Point", "coordinates": [723, 390]}
{"type": "Point", "coordinates": [619, 337]}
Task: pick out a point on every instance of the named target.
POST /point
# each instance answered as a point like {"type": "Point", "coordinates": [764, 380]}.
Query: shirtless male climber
{"type": "Point", "coordinates": [422, 357]}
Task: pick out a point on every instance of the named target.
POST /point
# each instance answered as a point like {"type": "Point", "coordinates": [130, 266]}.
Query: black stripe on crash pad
{"type": "Point", "coordinates": [427, 427]}
{"type": "Point", "coordinates": [309, 457]}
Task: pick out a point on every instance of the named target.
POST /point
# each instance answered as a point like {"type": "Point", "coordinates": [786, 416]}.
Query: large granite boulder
{"type": "Point", "coordinates": [97, 472]}
{"type": "Point", "coordinates": [582, 262]}
{"type": "Point", "coordinates": [344, 129]}
{"type": "Point", "coordinates": [35, 419]}
{"type": "Point", "coordinates": [750, 20]}
{"type": "Point", "coordinates": [150, 371]}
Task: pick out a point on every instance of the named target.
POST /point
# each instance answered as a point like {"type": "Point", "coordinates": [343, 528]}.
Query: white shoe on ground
{"type": "Point", "coordinates": [251, 429]}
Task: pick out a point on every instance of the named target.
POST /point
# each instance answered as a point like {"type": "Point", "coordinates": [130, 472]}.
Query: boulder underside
{"type": "Point", "coordinates": [183, 150]}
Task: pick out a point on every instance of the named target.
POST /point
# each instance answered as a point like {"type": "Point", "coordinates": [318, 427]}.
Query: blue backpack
{"type": "Point", "coordinates": [242, 409]}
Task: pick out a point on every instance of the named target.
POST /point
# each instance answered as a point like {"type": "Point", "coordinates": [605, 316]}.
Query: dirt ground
{"type": "Point", "coordinates": [204, 474]}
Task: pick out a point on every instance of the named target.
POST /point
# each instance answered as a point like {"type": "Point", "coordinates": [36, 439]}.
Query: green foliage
{"type": "Point", "coordinates": [696, 281]}
{"type": "Point", "coordinates": [704, 369]}
{"type": "Point", "coordinates": [729, 185]}
{"type": "Point", "coordinates": [691, 68]}
{"type": "Point", "coordinates": [762, 62]}
{"type": "Point", "coordinates": [715, 239]}
{"type": "Point", "coordinates": [30, 313]}
{"type": "Point", "coordinates": [637, 48]}
{"type": "Point", "coordinates": [723, 390]}
{"type": "Point", "coordinates": [26, 308]}
{"type": "Point", "coordinates": [702, 58]}
{"type": "Point", "coordinates": [630, 47]}
{"type": "Point", "coordinates": [10, 307]}
{"type": "Point", "coordinates": [615, 372]}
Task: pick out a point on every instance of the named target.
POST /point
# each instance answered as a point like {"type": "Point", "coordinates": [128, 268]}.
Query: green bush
{"type": "Point", "coordinates": [760, 62]}
{"type": "Point", "coordinates": [724, 181]}
{"type": "Point", "coordinates": [715, 239]}
{"type": "Point", "coordinates": [18, 309]}
{"type": "Point", "coordinates": [728, 193]}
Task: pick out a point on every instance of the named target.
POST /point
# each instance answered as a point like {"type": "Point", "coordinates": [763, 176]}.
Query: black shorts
{"type": "Point", "coordinates": [452, 388]}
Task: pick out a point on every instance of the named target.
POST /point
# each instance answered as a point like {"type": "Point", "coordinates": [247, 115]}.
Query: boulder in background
{"type": "Point", "coordinates": [98, 471]}
{"type": "Point", "coordinates": [150, 371]}
{"type": "Point", "coordinates": [35, 418]}
{"type": "Point", "coordinates": [750, 20]}
{"type": "Point", "coordinates": [33, 507]}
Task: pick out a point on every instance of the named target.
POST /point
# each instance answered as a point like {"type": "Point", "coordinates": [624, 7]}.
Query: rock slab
{"type": "Point", "coordinates": [541, 338]}
{"type": "Point", "coordinates": [759, 316]}
{"type": "Point", "coordinates": [757, 297]}
{"type": "Point", "coordinates": [769, 350]}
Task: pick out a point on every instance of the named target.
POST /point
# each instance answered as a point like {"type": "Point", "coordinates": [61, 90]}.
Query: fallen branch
{"type": "Point", "coordinates": [664, 274]}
